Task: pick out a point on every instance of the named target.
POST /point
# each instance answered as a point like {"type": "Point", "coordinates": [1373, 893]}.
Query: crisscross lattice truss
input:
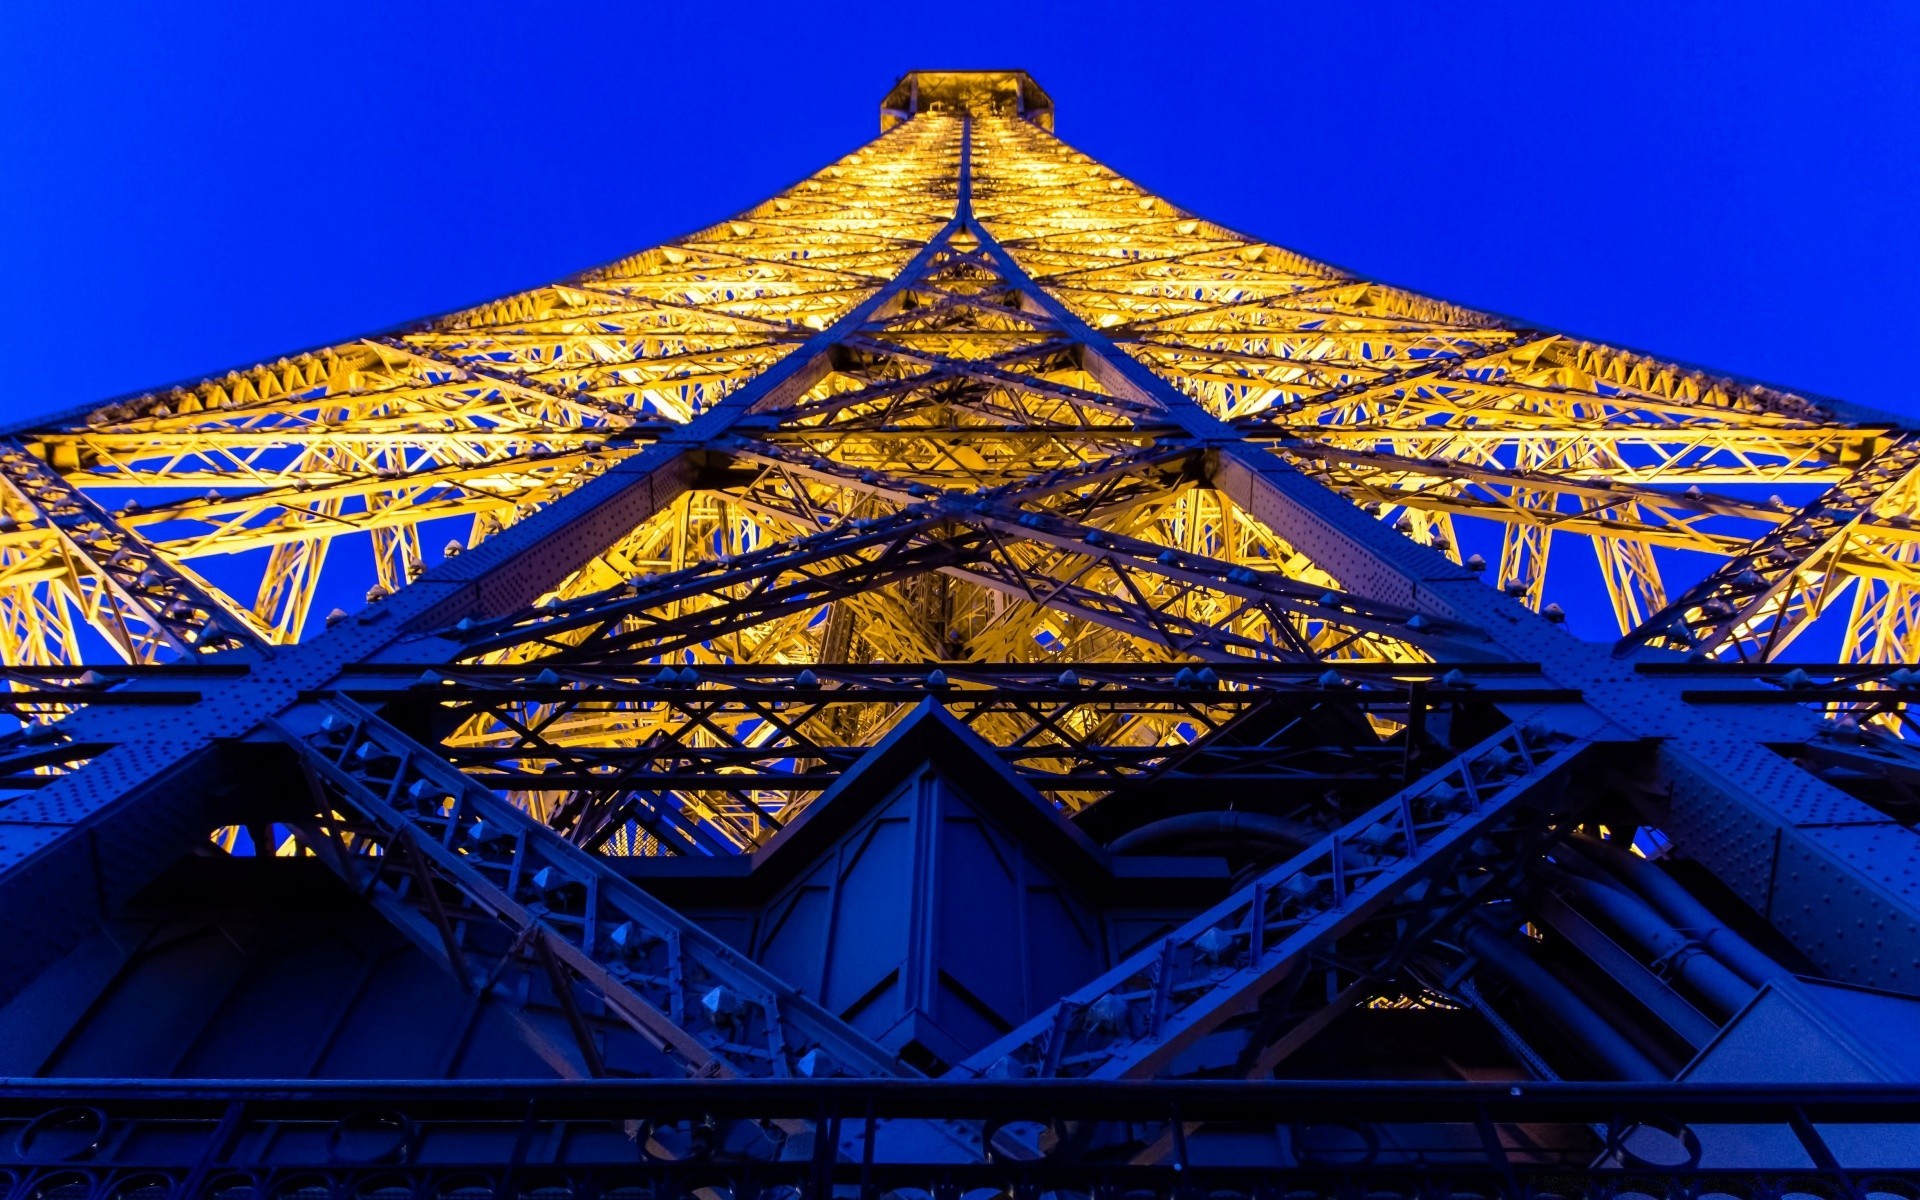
{"type": "Point", "coordinates": [965, 448]}
{"type": "Point", "coordinates": [964, 396]}
{"type": "Point", "coordinates": [343, 472]}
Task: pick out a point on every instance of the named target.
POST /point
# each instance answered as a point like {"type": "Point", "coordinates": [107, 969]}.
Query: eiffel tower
{"type": "Point", "coordinates": [965, 675]}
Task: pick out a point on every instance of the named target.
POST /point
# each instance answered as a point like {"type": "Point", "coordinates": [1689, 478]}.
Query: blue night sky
{"type": "Point", "coordinates": [188, 187]}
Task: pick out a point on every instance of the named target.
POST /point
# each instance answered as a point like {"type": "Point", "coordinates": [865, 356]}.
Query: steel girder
{"type": "Point", "coordinates": [1755, 605]}
{"type": "Point", "coordinates": [1734, 805]}
{"type": "Point", "coordinates": [585, 746]}
{"type": "Point", "coordinates": [1486, 1139]}
{"type": "Point", "coordinates": [963, 398]}
{"type": "Point", "coordinates": [421, 828]}
{"type": "Point", "coordinates": [149, 607]}
{"type": "Point", "coordinates": [1136, 1019]}
{"type": "Point", "coordinates": [90, 839]}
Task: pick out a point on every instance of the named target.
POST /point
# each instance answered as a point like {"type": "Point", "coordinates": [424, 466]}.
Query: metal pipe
{"type": "Point", "coordinates": [1247, 828]}
{"type": "Point", "coordinates": [1574, 1016]}
{"type": "Point", "coordinates": [1682, 957]}
{"type": "Point", "coordinates": [1687, 914]}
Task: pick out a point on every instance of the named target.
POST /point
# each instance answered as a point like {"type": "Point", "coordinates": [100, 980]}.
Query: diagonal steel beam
{"type": "Point", "coordinates": [1002, 511]}
{"type": "Point", "coordinates": [609, 951]}
{"type": "Point", "coordinates": [959, 535]}
{"type": "Point", "coordinates": [1783, 840]}
{"type": "Point", "coordinates": [169, 610]}
{"type": "Point", "coordinates": [708, 1007]}
{"type": "Point", "coordinates": [56, 880]}
{"type": "Point", "coordinates": [1753, 605]}
{"type": "Point", "coordinates": [1137, 1018]}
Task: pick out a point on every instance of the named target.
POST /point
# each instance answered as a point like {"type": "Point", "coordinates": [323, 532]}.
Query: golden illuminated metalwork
{"type": "Point", "coordinates": [341, 471]}
{"type": "Point", "coordinates": [968, 455]}
{"type": "Point", "coordinates": [457, 427]}
{"type": "Point", "coordinates": [1429, 414]}
{"type": "Point", "coordinates": [212, 518]}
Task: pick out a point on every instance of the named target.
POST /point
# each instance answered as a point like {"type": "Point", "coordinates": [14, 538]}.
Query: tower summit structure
{"type": "Point", "coordinates": [965, 674]}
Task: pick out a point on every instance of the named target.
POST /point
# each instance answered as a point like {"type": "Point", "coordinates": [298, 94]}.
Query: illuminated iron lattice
{"type": "Point", "coordinates": [1255, 607]}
